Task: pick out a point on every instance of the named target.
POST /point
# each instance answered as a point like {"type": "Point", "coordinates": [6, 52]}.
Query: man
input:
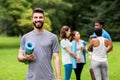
{"type": "Point", "coordinates": [100, 24]}
{"type": "Point", "coordinates": [46, 47]}
{"type": "Point", "coordinates": [99, 46]}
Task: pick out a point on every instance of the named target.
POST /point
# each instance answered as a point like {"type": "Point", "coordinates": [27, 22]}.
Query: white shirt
{"type": "Point", "coordinates": [66, 57]}
{"type": "Point", "coordinates": [99, 52]}
{"type": "Point", "coordinates": [79, 51]}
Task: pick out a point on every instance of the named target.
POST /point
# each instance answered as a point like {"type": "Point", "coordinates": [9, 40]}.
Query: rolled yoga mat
{"type": "Point", "coordinates": [74, 65]}
{"type": "Point", "coordinates": [29, 47]}
{"type": "Point", "coordinates": [84, 51]}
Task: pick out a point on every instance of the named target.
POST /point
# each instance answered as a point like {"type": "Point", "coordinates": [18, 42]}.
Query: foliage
{"type": "Point", "coordinates": [56, 10]}
{"type": "Point", "coordinates": [12, 11]}
{"type": "Point", "coordinates": [109, 12]}
{"type": "Point", "coordinates": [15, 15]}
{"type": "Point", "coordinates": [80, 16]}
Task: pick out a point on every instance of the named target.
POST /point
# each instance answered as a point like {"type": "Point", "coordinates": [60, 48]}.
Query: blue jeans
{"type": "Point", "coordinates": [68, 71]}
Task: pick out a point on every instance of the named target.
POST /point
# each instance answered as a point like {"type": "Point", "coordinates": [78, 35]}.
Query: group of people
{"type": "Point", "coordinates": [66, 38]}
{"type": "Point", "coordinates": [47, 46]}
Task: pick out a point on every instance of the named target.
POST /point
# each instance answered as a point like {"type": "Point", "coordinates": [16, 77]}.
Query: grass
{"type": "Point", "coordinates": [114, 62]}
{"type": "Point", "coordinates": [11, 69]}
{"type": "Point", "coordinates": [9, 42]}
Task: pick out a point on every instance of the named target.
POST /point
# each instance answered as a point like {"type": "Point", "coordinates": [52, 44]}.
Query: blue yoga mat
{"type": "Point", "coordinates": [29, 47]}
{"type": "Point", "coordinates": [84, 51]}
{"type": "Point", "coordinates": [74, 65]}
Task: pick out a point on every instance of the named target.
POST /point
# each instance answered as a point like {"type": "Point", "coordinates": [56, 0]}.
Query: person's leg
{"type": "Point", "coordinates": [95, 66]}
{"type": "Point", "coordinates": [81, 68]}
{"type": "Point", "coordinates": [68, 71]}
{"type": "Point", "coordinates": [92, 74]}
{"type": "Point", "coordinates": [105, 71]}
{"type": "Point", "coordinates": [78, 70]}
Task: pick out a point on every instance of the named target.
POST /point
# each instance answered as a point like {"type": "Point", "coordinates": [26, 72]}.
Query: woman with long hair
{"type": "Point", "coordinates": [80, 50]}
{"type": "Point", "coordinates": [67, 53]}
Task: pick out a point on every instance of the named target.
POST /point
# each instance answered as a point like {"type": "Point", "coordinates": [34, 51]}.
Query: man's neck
{"type": "Point", "coordinates": [38, 31]}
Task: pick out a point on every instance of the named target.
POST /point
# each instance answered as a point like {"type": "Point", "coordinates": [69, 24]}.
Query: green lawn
{"type": "Point", "coordinates": [9, 42]}
{"type": "Point", "coordinates": [11, 69]}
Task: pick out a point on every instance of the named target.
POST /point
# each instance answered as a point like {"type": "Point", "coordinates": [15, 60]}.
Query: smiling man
{"type": "Point", "coordinates": [46, 47]}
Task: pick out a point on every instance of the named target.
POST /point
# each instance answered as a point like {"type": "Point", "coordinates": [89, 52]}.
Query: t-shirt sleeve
{"type": "Point", "coordinates": [55, 45]}
{"type": "Point", "coordinates": [64, 44]}
{"type": "Point", "coordinates": [106, 35]}
{"type": "Point", "coordinates": [22, 43]}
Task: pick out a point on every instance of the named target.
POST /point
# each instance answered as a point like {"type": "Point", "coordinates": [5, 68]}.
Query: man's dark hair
{"type": "Point", "coordinates": [92, 36]}
{"type": "Point", "coordinates": [101, 22]}
{"type": "Point", "coordinates": [98, 31]}
{"type": "Point", "coordinates": [38, 10]}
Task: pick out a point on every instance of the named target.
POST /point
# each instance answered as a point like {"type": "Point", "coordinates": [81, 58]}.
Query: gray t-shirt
{"type": "Point", "coordinates": [46, 44]}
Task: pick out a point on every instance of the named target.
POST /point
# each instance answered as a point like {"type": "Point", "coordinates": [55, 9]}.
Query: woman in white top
{"type": "Point", "coordinates": [80, 49]}
{"type": "Point", "coordinates": [99, 47]}
{"type": "Point", "coordinates": [66, 51]}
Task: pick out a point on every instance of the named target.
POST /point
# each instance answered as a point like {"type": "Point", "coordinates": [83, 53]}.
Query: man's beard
{"type": "Point", "coordinates": [38, 26]}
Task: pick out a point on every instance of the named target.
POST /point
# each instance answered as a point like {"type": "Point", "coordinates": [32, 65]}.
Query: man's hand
{"type": "Point", "coordinates": [30, 57]}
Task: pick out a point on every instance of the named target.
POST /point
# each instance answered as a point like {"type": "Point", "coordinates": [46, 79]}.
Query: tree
{"type": "Point", "coordinates": [112, 19]}
{"type": "Point", "coordinates": [11, 12]}
{"type": "Point", "coordinates": [109, 12]}
{"type": "Point", "coordinates": [56, 10]}
{"type": "Point", "coordinates": [16, 17]}
{"type": "Point", "coordinates": [80, 17]}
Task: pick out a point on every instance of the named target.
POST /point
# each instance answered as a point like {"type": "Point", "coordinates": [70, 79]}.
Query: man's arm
{"type": "Point", "coordinates": [57, 66]}
{"type": "Point", "coordinates": [23, 58]}
{"type": "Point", "coordinates": [110, 42]}
{"type": "Point", "coordinates": [90, 45]}
{"type": "Point", "coordinates": [106, 35]}
{"type": "Point", "coordinates": [109, 45]}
